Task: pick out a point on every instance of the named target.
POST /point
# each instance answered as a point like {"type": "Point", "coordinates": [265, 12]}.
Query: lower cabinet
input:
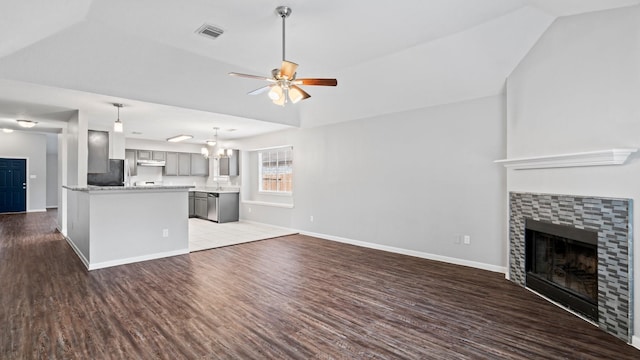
{"type": "Point", "coordinates": [192, 204]}
{"type": "Point", "coordinates": [228, 207]}
{"type": "Point", "coordinates": [200, 205]}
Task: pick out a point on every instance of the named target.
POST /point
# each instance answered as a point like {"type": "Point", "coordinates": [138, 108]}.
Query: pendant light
{"type": "Point", "coordinates": [117, 126]}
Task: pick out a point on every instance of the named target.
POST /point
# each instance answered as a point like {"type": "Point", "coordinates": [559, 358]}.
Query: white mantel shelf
{"type": "Point", "coordinates": [591, 158]}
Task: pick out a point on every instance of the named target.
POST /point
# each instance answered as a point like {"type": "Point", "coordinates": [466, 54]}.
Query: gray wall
{"type": "Point", "coordinates": [416, 180]}
{"type": "Point", "coordinates": [578, 90]}
{"type": "Point", "coordinates": [33, 147]}
{"type": "Point", "coordinates": [52, 180]}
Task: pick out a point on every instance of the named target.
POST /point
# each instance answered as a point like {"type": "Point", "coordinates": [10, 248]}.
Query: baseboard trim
{"type": "Point", "coordinates": [420, 254]}
{"type": "Point", "coordinates": [273, 226]}
{"type": "Point", "coordinates": [84, 260]}
{"type": "Point", "coordinates": [423, 255]}
{"type": "Point", "coordinates": [36, 210]}
{"type": "Point", "coordinates": [135, 259]}
{"type": "Point", "coordinates": [635, 342]}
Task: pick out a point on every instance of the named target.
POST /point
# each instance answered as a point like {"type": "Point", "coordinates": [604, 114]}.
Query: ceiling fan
{"type": "Point", "coordinates": [284, 85]}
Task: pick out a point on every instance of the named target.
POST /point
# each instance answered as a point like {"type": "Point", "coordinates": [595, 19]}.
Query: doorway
{"type": "Point", "coordinates": [13, 185]}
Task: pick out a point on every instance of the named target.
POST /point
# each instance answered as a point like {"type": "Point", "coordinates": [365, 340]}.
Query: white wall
{"type": "Point", "coordinates": [578, 90]}
{"type": "Point", "coordinates": [416, 180]}
{"type": "Point", "coordinates": [33, 147]}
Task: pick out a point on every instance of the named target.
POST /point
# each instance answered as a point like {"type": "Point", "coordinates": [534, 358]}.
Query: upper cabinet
{"type": "Point", "coordinates": [184, 164]}
{"type": "Point", "coordinates": [199, 165]}
{"type": "Point", "coordinates": [229, 165]}
{"type": "Point", "coordinates": [171, 164]}
{"type": "Point", "coordinates": [175, 163]}
{"type": "Point", "coordinates": [98, 159]}
{"type": "Point", "coordinates": [150, 155]}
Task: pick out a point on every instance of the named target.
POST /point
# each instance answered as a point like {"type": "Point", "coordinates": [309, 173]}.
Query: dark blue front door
{"type": "Point", "coordinates": [13, 185]}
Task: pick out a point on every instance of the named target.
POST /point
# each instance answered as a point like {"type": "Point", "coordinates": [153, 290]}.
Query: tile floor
{"type": "Point", "coordinates": [204, 234]}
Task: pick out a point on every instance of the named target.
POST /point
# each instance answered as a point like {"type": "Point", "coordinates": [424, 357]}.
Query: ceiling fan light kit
{"type": "Point", "coordinates": [284, 87]}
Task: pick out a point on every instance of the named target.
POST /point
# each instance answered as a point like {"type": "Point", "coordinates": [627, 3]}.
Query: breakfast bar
{"type": "Point", "coordinates": [115, 225]}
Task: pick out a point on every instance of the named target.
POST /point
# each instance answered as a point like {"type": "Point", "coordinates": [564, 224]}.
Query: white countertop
{"type": "Point", "coordinates": [126, 188]}
{"type": "Point", "coordinates": [215, 190]}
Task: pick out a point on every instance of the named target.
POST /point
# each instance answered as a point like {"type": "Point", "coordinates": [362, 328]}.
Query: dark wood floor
{"type": "Point", "coordinates": [291, 297]}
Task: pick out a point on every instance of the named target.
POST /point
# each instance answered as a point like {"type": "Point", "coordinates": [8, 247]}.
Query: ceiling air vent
{"type": "Point", "coordinates": [209, 31]}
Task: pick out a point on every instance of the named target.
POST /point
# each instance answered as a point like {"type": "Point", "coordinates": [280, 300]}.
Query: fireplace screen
{"type": "Point", "coordinates": [562, 264]}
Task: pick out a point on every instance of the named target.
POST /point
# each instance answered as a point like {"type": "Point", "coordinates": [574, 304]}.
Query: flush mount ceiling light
{"type": "Point", "coordinates": [180, 138]}
{"type": "Point", "coordinates": [284, 85]}
{"type": "Point", "coordinates": [5, 130]}
{"type": "Point", "coordinates": [26, 123]}
{"type": "Point", "coordinates": [117, 126]}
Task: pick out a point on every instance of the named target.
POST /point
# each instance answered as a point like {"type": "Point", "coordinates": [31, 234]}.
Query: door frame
{"type": "Point", "coordinates": [26, 177]}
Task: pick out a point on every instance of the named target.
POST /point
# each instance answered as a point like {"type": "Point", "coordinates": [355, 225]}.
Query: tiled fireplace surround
{"type": "Point", "coordinates": [611, 218]}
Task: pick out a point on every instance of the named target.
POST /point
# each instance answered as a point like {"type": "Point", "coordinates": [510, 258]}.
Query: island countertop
{"type": "Point", "coordinates": [215, 190]}
{"type": "Point", "coordinates": [93, 188]}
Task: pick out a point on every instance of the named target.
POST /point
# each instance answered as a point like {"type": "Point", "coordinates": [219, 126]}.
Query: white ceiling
{"type": "Point", "coordinates": [57, 56]}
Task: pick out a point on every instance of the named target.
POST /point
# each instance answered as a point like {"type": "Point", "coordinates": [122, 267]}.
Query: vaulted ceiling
{"type": "Point", "coordinates": [389, 56]}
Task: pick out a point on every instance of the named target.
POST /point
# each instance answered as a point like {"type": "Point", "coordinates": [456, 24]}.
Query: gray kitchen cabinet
{"type": "Point", "coordinates": [200, 204]}
{"type": "Point", "coordinates": [171, 164]}
{"type": "Point", "coordinates": [98, 151]}
{"type": "Point", "coordinates": [228, 207]}
{"type": "Point", "coordinates": [229, 165]}
{"type": "Point", "coordinates": [144, 154]}
{"type": "Point", "coordinates": [158, 155]}
{"type": "Point", "coordinates": [130, 156]}
{"type": "Point", "coordinates": [192, 204]}
{"type": "Point", "coordinates": [184, 164]}
{"type": "Point", "coordinates": [199, 165]}
{"type": "Point", "coordinates": [150, 155]}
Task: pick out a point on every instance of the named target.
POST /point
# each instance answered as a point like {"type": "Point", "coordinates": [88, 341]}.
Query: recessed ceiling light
{"type": "Point", "coordinates": [5, 130]}
{"type": "Point", "coordinates": [26, 123]}
{"type": "Point", "coordinates": [180, 138]}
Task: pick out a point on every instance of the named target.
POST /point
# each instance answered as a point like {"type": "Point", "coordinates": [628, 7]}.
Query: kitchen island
{"type": "Point", "coordinates": [216, 204]}
{"type": "Point", "coordinates": [115, 225]}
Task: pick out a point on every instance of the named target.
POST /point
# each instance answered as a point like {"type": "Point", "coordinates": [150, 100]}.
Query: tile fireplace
{"type": "Point", "coordinates": [577, 252]}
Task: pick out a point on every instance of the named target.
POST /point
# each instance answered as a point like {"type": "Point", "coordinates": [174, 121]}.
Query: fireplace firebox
{"type": "Point", "coordinates": [561, 263]}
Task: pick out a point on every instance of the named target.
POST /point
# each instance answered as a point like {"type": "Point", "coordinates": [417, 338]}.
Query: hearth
{"type": "Point", "coordinates": [562, 264]}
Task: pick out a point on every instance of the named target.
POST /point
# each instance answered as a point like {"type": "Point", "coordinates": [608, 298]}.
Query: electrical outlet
{"type": "Point", "coordinates": [467, 240]}
{"type": "Point", "coordinates": [165, 232]}
{"type": "Point", "coordinates": [311, 218]}
{"type": "Point", "coordinates": [249, 209]}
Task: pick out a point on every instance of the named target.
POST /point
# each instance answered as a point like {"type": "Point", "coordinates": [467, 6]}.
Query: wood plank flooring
{"type": "Point", "coordinates": [293, 297]}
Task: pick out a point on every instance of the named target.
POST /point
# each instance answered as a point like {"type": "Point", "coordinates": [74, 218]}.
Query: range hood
{"type": "Point", "coordinates": [151, 162]}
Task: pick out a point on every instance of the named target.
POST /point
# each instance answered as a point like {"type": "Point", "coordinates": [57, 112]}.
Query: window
{"type": "Point", "coordinates": [275, 168]}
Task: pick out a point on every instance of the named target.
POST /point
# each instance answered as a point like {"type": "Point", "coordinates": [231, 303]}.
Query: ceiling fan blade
{"type": "Point", "coordinates": [288, 69]}
{"type": "Point", "coordinates": [320, 82]}
{"type": "Point", "coordinates": [251, 76]}
{"type": "Point", "coordinates": [296, 94]}
{"type": "Point", "coordinates": [260, 90]}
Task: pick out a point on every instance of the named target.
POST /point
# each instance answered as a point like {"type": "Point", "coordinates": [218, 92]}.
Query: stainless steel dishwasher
{"type": "Point", "coordinates": [212, 206]}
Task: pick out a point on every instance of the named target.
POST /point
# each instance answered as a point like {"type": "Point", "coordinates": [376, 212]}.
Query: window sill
{"type": "Point", "coordinates": [265, 203]}
{"type": "Point", "coordinates": [275, 193]}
